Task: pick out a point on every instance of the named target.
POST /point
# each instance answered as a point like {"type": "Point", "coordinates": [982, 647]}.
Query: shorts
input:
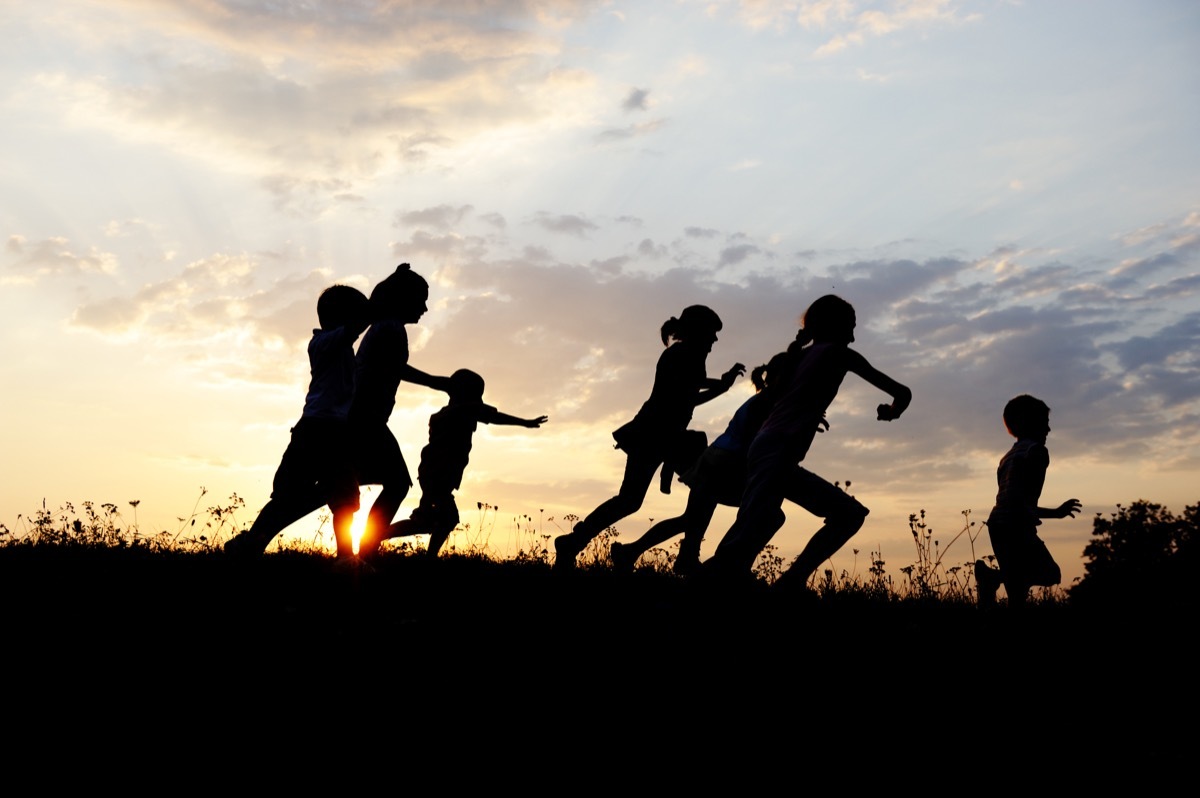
{"type": "Point", "coordinates": [318, 462]}
{"type": "Point", "coordinates": [1022, 555]}
{"type": "Point", "coordinates": [719, 474]}
{"type": "Point", "coordinates": [435, 513]}
{"type": "Point", "coordinates": [377, 457]}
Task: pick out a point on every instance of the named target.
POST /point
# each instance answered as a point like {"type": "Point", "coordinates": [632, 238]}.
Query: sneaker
{"type": "Point", "coordinates": [987, 582]}
{"type": "Point", "coordinates": [688, 560]}
{"type": "Point", "coordinates": [243, 547]}
{"type": "Point", "coordinates": [623, 560]}
{"type": "Point", "coordinates": [566, 549]}
{"type": "Point", "coordinates": [436, 541]}
{"type": "Point", "coordinates": [686, 565]}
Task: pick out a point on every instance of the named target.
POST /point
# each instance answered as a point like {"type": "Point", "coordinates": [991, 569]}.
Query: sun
{"type": "Point", "coordinates": [358, 526]}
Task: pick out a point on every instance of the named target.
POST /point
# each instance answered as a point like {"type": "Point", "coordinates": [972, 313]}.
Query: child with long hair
{"type": "Point", "coordinates": [658, 434]}
{"type": "Point", "coordinates": [718, 477]}
{"type": "Point", "coordinates": [380, 366]}
{"type": "Point", "coordinates": [822, 357]}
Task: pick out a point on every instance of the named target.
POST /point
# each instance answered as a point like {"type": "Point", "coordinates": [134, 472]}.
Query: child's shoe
{"type": "Point", "coordinates": [623, 560]}
{"type": "Point", "coordinates": [243, 546]}
{"type": "Point", "coordinates": [688, 560]}
{"type": "Point", "coordinates": [436, 541]}
{"type": "Point", "coordinates": [987, 582]}
{"type": "Point", "coordinates": [566, 549]}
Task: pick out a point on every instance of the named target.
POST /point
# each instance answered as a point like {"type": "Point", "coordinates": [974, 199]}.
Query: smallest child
{"type": "Point", "coordinates": [1023, 558]}
{"type": "Point", "coordinates": [444, 459]}
{"type": "Point", "coordinates": [317, 467]}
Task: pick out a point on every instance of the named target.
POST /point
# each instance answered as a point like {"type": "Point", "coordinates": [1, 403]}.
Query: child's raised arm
{"type": "Point", "coordinates": [901, 395]}
{"type": "Point", "coordinates": [714, 387]}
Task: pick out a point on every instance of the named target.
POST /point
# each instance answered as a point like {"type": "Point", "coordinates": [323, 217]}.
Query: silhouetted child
{"type": "Point", "coordinates": [658, 434]}
{"type": "Point", "coordinates": [822, 357]}
{"type": "Point", "coordinates": [445, 457]}
{"type": "Point", "coordinates": [380, 366]}
{"type": "Point", "coordinates": [718, 477]}
{"type": "Point", "coordinates": [1023, 558]}
{"type": "Point", "coordinates": [317, 468]}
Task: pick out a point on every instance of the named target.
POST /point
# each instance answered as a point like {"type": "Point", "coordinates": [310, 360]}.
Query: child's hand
{"type": "Point", "coordinates": [886, 413]}
{"type": "Point", "coordinates": [1068, 508]}
{"type": "Point", "coordinates": [823, 424]}
{"type": "Point", "coordinates": [731, 375]}
{"type": "Point", "coordinates": [534, 423]}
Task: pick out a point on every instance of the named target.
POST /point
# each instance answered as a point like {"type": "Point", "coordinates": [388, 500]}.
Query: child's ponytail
{"type": "Point", "coordinates": [670, 329]}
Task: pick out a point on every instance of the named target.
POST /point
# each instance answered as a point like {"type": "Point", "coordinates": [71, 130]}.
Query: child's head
{"type": "Point", "coordinates": [697, 323]}
{"type": "Point", "coordinates": [829, 319]}
{"type": "Point", "coordinates": [1027, 417]}
{"type": "Point", "coordinates": [401, 296]}
{"type": "Point", "coordinates": [340, 305]}
{"type": "Point", "coordinates": [466, 386]}
{"type": "Point", "coordinates": [770, 372]}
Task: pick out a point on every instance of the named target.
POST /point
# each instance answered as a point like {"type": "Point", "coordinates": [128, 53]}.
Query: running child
{"type": "Point", "coordinates": [380, 366]}
{"type": "Point", "coordinates": [444, 459]}
{"type": "Point", "coordinates": [718, 477]}
{"type": "Point", "coordinates": [658, 434]}
{"type": "Point", "coordinates": [1023, 558]}
{"type": "Point", "coordinates": [822, 357]}
{"type": "Point", "coordinates": [317, 467]}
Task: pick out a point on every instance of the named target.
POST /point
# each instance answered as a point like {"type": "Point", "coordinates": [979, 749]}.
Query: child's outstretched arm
{"type": "Point", "coordinates": [412, 374]}
{"type": "Point", "coordinates": [1064, 510]}
{"type": "Point", "coordinates": [901, 395]}
{"type": "Point", "coordinates": [712, 388]}
{"type": "Point", "coordinates": [493, 416]}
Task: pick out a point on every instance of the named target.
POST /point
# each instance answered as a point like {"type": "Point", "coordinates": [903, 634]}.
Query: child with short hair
{"type": "Point", "coordinates": [317, 467]}
{"type": "Point", "coordinates": [444, 459]}
{"type": "Point", "coordinates": [1012, 526]}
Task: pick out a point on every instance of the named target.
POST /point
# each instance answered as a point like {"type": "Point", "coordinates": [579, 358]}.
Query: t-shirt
{"type": "Point", "coordinates": [744, 425]}
{"type": "Point", "coordinates": [331, 363]}
{"type": "Point", "coordinates": [445, 457]}
{"type": "Point", "coordinates": [1020, 476]}
{"type": "Point", "coordinates": [379, 368]}
{"type": "Point", "coordinates": [678, 378]}
{"type": "Point", "coordinates": [809, 392]}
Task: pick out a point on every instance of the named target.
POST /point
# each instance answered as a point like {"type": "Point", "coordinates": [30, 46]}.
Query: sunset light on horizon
{"type": "Point", "coordinates": [1007, 192]}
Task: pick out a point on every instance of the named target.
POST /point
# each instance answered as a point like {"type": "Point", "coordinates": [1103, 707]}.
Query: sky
{"type": "Point", "coordinates": [1007, 192]}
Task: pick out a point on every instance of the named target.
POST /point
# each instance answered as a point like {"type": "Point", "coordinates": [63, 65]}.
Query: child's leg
{"type": "Point", "coordinates": [760, 516]}
{"type": "Point", "coordinates": [294, 493]}
{"type": "Point", "coordinates": [843, 515]}
{"type": "Point", "coordinates": [343, 518]}
{"type": "Point", "coordinates": [380, 463]}
{"type": "Point", "coordinates": [639, 473]}
{"type": "Point", "coordinates": [446, 519]}
{"type": "Point", "coordinates": [692, 524]}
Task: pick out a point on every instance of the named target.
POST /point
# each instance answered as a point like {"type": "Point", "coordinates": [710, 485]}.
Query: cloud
{"type": "Point", "coordinates": [56, 256]}
{"type": "Point", "coordinates": [735, 254]}
{"type": "Point", "coordinates": [636, 100]}
{"type": "Point", "coordinates": [439, 217]}
{"type": "Point", "coordinates": [390, 86]}
{"type": "Point", "coordinates": [630, 131]}
{"type": "Point", "coordinates": [570, 224]}
{"type": "Point", "coordinates": [648, 249]}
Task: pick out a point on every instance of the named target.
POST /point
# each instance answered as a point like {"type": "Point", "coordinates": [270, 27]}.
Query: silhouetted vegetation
{"type": "Point", "coordinates": [1141, 554]}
